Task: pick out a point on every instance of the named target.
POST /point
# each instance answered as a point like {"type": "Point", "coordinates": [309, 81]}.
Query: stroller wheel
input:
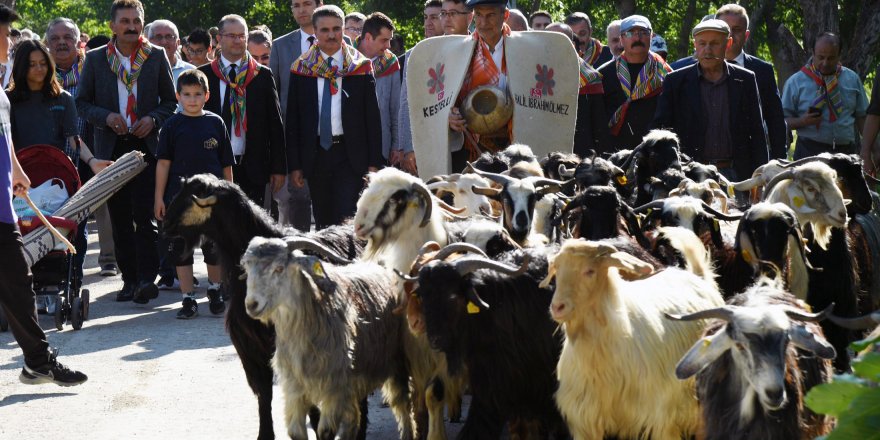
{"type": "Point", "coordinates": [76, 313]}
{"type": "Point", "coordinates": [4, 324]}
{"type": "Point", "coordinates": [84, 294]}
{"type": "Point", "coordinates": [59, 314]}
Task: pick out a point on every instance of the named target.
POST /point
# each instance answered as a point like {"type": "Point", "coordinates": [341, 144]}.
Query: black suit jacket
{"type": "Point", "coordinates": [602, 107]}
{"type": "Point", "coordinates": [771, 103]}
{"type": "Point", "coordinates": [264, 152]}
{"type": "Point", "coordinates": [361, 125]}
{"type": "Point", "coordinates": [680, 109]}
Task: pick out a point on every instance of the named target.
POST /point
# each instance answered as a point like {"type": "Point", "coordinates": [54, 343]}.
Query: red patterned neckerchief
{"type": "Point", "coordinates": [648, 84]}
{"type": "Point", "coordinates": [829, 92]}
{"type": "Point", "coordinates": [482, 71]}
{"type": "Point", "coordinates": [71, 77]}
{"type": "Point", "coordinates": [384, 64]}
{"type": "Point", "coordinates": [313, 64]}
{"type": "Point", "coordinates": [137, 58]}
{"type": "Point", "coordinates": [592, 51]}
{"type": "Point", "coordinates": [237, 100]}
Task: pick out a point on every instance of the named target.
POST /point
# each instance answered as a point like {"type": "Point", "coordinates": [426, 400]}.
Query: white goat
{"type": "Point", "coordinates": [337, 335]}
{"type": "Point", "coordinates": [811, 191]}
{"type": "Point", "coordinates": [459, 185]}
{"type": "Point", "coordinates": [708, 191]}
{"type": "Point", "coordinates": [616, 368]}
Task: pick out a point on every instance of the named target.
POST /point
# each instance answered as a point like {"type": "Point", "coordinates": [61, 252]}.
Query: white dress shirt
{"type": "Point", "coordinates": [123, 92]}
{"type": "Point", "coordinates": [304, 44]}
{"type": "Point", "coordinates": [335, 101]}
{"type": "Point", "coordinates": [498, 59]}
{"type": "Point", "coordinates": [238, 144]}
{"type": "Point", "coordinates": [740, 59]}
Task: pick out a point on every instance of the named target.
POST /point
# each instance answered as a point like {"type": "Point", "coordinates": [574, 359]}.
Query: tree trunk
{"type": "Point", "coordinates": [756, 21]}
{"type": "Point", "coordinates": [862, 50]}
{"type": "Point", "coordinates": [683, 45]}
{"type": "Point", "coordinates": [788, 55]}
{"type": "Point", "coordinates": [625, 8]}
{"type": "Point", "coordinates": [10, 3]}
{"type": "Point", "coordinates": [536, 6]}
{"type": "Point", "coordinates": [819, 16]}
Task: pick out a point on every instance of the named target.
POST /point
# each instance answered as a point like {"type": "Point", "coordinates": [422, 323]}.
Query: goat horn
{"type": "Point", "coordinates": [725, 313]}
{"type": "Point", "coordinates": [628, 162]}
{"type": "Point", "coordinates": [617, 171]}
{"type": "Point", "coordinates": [423, 192]}
{"type": "Point", "coordinates": [497, 178]}
{"type": "Point", "coordinates": [431, 246]}
{"type": "Point", "coordinates": [860, 323]}
{"type": "Point", "coordinates": [802, 248]}
{"type": "Point", "coordinates": [656, 204]}
{"type": "Point", "coordinates": [825, 160]}
{"type": "Point", "coordinates": [809, 317]}
{"type": "Point", "coordinates": [483, 191]}
{"type": "Point", "coordinates": [719, 215]}
{"type": "Point", "coordinates": [442, 184]}
{"type": "Point", "coordinates": [467, 265]}
{"type": "Point", "coordinates": [565, 172]}
{"type": "Point", "coordinates": [747, 184]}
{"type": "Point", "coordinates": [436, 179]}
{"type": "Point", "coordinates": [785, 175]}
{"type": "Point", "coordinates": [460, 247]}
{"type": "Point", "coordinates": [406, 277]}
{"type": "Point", "coordinates": [204, 202]}
{"type": "Point", "coordinates": [542, 181]}
{"type": "Point", "coordinates": [448, 207]}
{"type": "Point", "coordinates": [308, 244]}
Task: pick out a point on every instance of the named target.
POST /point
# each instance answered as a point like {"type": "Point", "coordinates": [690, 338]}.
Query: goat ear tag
{"type": "Point", "coordinates": [715, 224]}
{"type": "Point", "coordinates": [621, 179]}
{"type": "Point", "coordinates": [472, 308]}
{"type": "Point", "coordinates": [747, 255]}
{"type": "Point", "coordinates": [318, 269]}
{"type": "Point", "coordinates": [798, 201]}
{"type": "Point", "coordinates": [730, 191]}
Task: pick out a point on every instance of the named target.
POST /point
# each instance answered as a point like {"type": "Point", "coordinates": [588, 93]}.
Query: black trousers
{"type": "Point", "coordinates": [807, 147]}
{"type": "Point", "coordinates": [17, 297]}
{"type": "Point", "coordinates": [334, 186]}
{"type": "Point", "coordinates": [255, 191]}
{"type": "Point", "coordinates": [135, 234]}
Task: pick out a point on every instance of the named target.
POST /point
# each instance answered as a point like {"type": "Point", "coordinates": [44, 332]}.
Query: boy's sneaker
{"type": "Point", "coordinates": [215, 300]}
{"type": "Point", "coordinates": [52, 372]}
{"type": "Point", "coordinates": [168, 283]}
{"type": "Point", "coordinates": [189, 310]}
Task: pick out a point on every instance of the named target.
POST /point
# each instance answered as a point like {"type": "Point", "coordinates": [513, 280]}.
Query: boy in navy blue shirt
{"type": "Point", "coordinates": [192, 142]}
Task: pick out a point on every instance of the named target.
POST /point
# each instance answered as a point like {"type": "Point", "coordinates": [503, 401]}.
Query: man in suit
{"type": "Point", "coordinates": [771, 104]}
{"type": "Point", "coordinates": [334, 132]}
{"type": "Point", "coordinates": [243, 93]}
{"type": "Point", "coordinates": [125, 118]}
{"type": "Point", "coordinates": [375, 44]}
{"type": "Point", "coordinates": [714, 107]}
{"type": "Point", "coordinates": [294, 205]}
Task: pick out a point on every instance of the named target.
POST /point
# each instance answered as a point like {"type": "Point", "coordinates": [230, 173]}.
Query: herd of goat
{"type": "Point", "coordinates": [637, 296]}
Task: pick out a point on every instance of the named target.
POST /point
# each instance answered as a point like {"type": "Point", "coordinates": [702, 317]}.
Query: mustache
{"type": "Point", "coordinates": [638, 44]}
{"type": "Point", "coordinates": [131, 32]}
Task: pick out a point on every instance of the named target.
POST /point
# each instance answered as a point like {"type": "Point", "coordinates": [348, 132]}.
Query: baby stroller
{"type": "Point", "coordinates": [55, 274]}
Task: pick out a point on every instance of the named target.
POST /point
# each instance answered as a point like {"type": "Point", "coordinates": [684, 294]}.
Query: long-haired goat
{"type": "Point", "coordinates": [338, 337]}
{"type": "Point", "coordinates": [207, 207]}
{"type": "Point", "coordinates": [616, 367]}
{"type": "Point", "coordinates": [491, 317]}
{"type": "Point", "coordinates": [754, 365]}
{"type": "Point", "coordinates": [658, 152]}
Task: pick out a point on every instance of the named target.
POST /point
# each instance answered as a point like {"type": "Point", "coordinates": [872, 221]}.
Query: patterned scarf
{"type": "Point", "coordinates": [829, 92]}
{"type": "Point", "coordinates": [592, 51]}
{"type": "Point", "coordinates": [648, 84]}
{"type": "Point", "coordinates": [71, 78]}
{"type": "Point", "coordinates": [237, 101]}
{"type": "Point", "coordinates": [384, 64]}
{"type": "Point", "coordinates": [138, 57]}
{"type": "Point", "coordinates": [482, 71]}
{"type": "Point", "coordinates": [313, 64]}
{"type": "Point", "coordinates": [590, 79]}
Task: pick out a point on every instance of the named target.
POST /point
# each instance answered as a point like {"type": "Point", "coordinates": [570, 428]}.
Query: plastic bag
{"type": "Point", "coordinates": [47, 197]}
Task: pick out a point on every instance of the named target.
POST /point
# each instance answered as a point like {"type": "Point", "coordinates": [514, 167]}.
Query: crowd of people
{"type": "Point", "coordinates": [297, 121]}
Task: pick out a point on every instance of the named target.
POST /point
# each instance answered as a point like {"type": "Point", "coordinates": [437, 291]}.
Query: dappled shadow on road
{"type": "Point", "coordinates": [21, 398]}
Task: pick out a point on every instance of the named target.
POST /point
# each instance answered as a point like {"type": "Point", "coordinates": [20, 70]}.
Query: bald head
{"type": "Point", "coordinates": [826, 53]}
{"type": "Point", "coordinates": [517, 21]}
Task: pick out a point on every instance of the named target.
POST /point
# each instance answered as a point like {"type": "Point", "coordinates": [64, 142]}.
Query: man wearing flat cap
{"type": "Point", "coordinates": [632, 84]}
{"type": "Point", "coordinates": [714, 107]}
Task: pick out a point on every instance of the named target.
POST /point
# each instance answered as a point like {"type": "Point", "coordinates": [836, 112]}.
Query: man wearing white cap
{"type": "Point", "coordinates": [714, 107]}
{"type": "Point", "coordinates": [632, 85]}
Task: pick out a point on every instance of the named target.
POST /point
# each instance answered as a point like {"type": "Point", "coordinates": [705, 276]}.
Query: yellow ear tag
{"type": "Point", "coordinates": [706, 343]}
{"type": "Point", "coordinates": [413, 204]}
{"type": "Point", "coordinates": [650, 210]}
{"type": "Point", "coordinates": [715, 224]}
{"type": "Point", "coordinates": [798, 201]}
{"type": "Point", "coordinates": [747, 255]}
{"type": "Point", "coordinates": [730, 191]}
{"type": "Point", "coordinates": [622, 179]}
{"type": "Point", "coordinates": [472, 308]}
{"type": "Point", "coordinates": [318, 270]}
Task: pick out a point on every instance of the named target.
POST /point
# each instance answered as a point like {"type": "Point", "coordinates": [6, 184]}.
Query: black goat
{"type": "Point", "coordinates": [553, 161]}
{"type": "Point", "coordinates": [207, 207]}
{"type": "Point", "coordinates": [492, 318]}
{"type": "Point", "coordinates": [659, 151]}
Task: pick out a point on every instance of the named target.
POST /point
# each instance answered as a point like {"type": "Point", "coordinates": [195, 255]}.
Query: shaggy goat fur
{"type": "Point", "coordinates": [338, 337]}
{"type": "Point", "coordinates": [616, 368]}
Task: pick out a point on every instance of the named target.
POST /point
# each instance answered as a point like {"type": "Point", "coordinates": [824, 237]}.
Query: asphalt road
{"type": "Point", "coordinates": [151, 376]}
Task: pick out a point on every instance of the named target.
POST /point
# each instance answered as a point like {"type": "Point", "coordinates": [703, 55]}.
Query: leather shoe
{"type": "Point", "coordinates": [145, 292]}
{"type": "Point", "coordinates": [126, 294]}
